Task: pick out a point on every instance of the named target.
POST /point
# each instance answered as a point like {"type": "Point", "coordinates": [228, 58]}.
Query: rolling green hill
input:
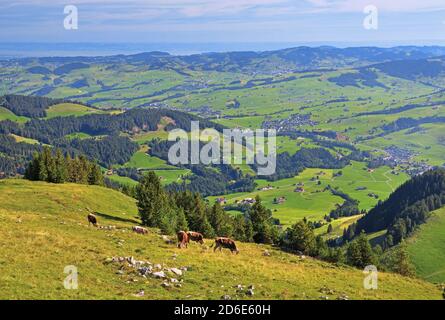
{"type": "Point", "coordinates": [427, 248]}
{"type": "Point", "coordinates": [43, 228]}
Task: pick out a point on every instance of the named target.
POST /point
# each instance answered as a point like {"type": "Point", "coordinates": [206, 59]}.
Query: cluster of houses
{"type": "Point", "coordinates": [205, 111]}
{"type": "Point", "coordinates": [289, 124]}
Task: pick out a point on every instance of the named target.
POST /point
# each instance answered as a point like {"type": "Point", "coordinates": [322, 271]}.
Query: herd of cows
{"type": "Point", "coordinates": [184, 237]}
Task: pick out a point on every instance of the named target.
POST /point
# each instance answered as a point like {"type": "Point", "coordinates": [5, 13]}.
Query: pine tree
{"type": "Point", "coordinates": [152, 199]}
{"type": "Point", "coordinates": [50, 165]}
{"type": "Point", "coordinates": [239, 227]}
{"type": "Point", "coordinates": [95, 176]}
{"type": "Point", "coordinates": [248, 230]}
{"type": "Point", "coordinates": [403, 265]}
{"type": "Point", "coordinates": [181, 222]}
{"type": "Point", "coordinates": [330, 228]}
{"type": "Point", "coordinates": [300, 237]}
{"type": "Point", "coordinates": [60, 167]}
{"type": "Point", "coordinates": [359, 252]}
{"type": "Point", "coordinates": [43, 174]}
{"type": "Point", "coordinates": [33, 170]}
{"type": "Point", "coordinates": [84, 169]}
{"type": "Point", "coordinates": [261, 222]}
{"type": "Point", "coordinates": [220, 221]}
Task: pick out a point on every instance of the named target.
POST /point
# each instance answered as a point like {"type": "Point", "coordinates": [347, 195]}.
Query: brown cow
{"type": "Point", "coordinates": [140, 230]}
{"type": "Point", "coordinates": [183, 239]}
{"type": "Point", "coordinates": [92, 219]}
{"type": "Point", "coordinates": [225, 243]}
{"type": "Point", "coordinates": [195, 236]}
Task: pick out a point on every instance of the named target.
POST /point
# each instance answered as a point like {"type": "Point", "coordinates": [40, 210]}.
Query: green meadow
{"type": "Point", "coordinates": [427, 246]}
{"type": "Point", "coordinates": [6, 114]}
{"type": "Point", "coordinates": [315, 202]}
{"type": "Point", "coordinates": [43, 228]}
{"type": "Point", "coordinates": [69, 109]}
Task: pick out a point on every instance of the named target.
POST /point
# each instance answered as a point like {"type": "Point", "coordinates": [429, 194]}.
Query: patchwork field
{"type": "Point", "coordinates": [315, 202]}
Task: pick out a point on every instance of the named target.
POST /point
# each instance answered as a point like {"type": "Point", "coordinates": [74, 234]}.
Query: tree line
{"type": "Point", "coordinates": [135, 120]}
{"type": "Point", "coordinates": [406, 208]}
{"type": "Point", "coordinates": [55, 167]}
{"type": "Point", "coordinates": [28, 106]}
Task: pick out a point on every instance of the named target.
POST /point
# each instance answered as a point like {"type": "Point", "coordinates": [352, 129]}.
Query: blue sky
{"type": "Point", "coordinates": [196, 21]}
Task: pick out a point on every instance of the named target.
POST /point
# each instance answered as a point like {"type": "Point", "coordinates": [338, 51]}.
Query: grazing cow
{"type": "Point", "coordinates": [140, 230]}
{"type": "Point", "coordinates": [195, 236]}
{"type": "Point", "coordinates": [183, 239]}
{"type": "Point", "coordinates": [225, 243]}
{"type": "Point", "coordinates": [92, 219]}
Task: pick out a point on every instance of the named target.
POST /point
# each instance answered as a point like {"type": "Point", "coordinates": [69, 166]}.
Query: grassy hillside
{"type": "Point", "coordinates": [43, 228]}
{"type": "Point", "coordinates": [6, 114]}
{"type": "Point", "coordinates": [427, 248]}
{"type": "Point", "coordinates": [68, 109]}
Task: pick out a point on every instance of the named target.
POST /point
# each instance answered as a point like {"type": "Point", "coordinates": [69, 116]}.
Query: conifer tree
{"type": "Point", "coordinates": [152, 199]}
{"type": "Point", "coordinates": [60, 167]}
{"type": "Point", "coordinates": [261, 222]}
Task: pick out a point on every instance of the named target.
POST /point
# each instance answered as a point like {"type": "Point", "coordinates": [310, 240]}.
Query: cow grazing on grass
{"type": "Point", "coordinates": [225, 243]}
{"type": "Point", "coordinates": [140, 230]}
{"type": "Point", "coordinates": [183, 239]}
{"type": "Point", "coordinates": [195, 236]}
{"type": "Point", "coordinates": [92, 219]}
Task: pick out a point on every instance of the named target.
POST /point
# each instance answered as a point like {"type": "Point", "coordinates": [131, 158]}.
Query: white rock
{"type": "Point", "coordinates": [159, 274]}
{"type": "Point", "coordinates": [176, 271]}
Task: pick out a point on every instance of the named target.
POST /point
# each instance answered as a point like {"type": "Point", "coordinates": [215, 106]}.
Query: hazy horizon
{"type": "Point", "coordinates": [221, 22]}
{"type": "Point", "coordinates": [72, 49]}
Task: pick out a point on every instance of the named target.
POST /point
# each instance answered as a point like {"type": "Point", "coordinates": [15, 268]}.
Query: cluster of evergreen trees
{"type": "Point", "coordinates": [48, 130]}
{"type": "Point", "coordinates": [358, 253]}
{"type": "Point", "coordinates": [172, 211]}
{"type": "Point", "coordinates": [347, 209]}
{"type": "Point", "coordinates": [408, 207]}
{"type": "Point", "coordinates": [55, 167]}
{"type": "Point", "coordinates": [14, 156]}
{"type": "Point", "coordinates": [111, 148]}
{"type": "Point", "coordinates": [28, 106]}
{"type": "Point", "coordinates": [289, 166]}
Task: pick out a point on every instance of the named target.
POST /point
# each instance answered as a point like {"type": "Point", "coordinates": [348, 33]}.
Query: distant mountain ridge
{"type": "Point", "coordinates": [295, 59]}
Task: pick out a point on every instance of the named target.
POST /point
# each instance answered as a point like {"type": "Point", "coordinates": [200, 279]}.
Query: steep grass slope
{"type": "Point", "coordinates": [427, 248]}
{"type": "Point", "coordinates": [43, 228]}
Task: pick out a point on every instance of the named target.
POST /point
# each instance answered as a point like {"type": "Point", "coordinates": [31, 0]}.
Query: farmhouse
{"type": "Point", "coordinates": [299, 189]}
{"type": "Point", "coordinates": [247, 201]}
{"type": "Point", "coordinates": [221, 200]}
{"type": "Point", "coordinates": [279, 200]}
